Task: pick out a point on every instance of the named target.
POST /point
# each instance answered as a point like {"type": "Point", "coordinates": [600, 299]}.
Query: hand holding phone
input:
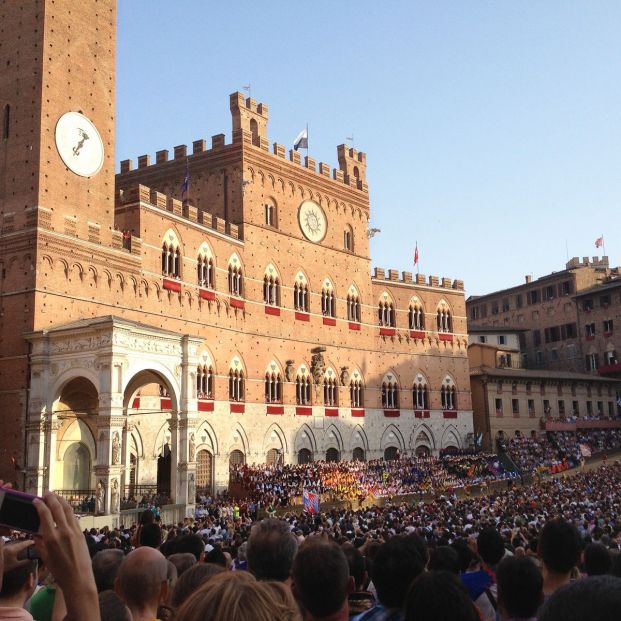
{"type": "Point", "coordinates": [17, 511]}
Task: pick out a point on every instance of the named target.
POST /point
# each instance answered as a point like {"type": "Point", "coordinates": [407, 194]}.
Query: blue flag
{"type": "Point", "coordinates": [311, 502]}
{"type": "Point", "coordinates": [185, 186]}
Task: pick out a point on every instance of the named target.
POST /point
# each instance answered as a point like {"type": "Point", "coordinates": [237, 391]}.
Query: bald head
{"type": "Point", "coordinates": [142, 580]}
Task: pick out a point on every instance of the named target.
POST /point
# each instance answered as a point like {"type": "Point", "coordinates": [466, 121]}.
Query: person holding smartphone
{"type": "Point", "coordinates": [59, 541]}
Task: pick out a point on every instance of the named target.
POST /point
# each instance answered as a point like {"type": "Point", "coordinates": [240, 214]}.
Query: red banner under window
{"type": "Point", "coordinates": [275, 409]}
{"type": "Point", "coordinates": [172, 285]}
{"type": "Point", "coordinates": [205, 406]}
{"type": "Point", "coordinates": [207, 294]}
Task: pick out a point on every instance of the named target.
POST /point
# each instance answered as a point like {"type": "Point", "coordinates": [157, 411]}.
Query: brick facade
{"type": "Point", "coordinates": [108, 338]}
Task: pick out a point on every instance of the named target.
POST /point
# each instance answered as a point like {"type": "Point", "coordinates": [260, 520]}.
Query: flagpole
{"type": "Point", "coordinates": [307, 139]}
{"type": "Point", "coordinates": [603, 244]}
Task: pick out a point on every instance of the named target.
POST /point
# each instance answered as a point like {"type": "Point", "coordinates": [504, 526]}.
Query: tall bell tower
{"type": "Point", "coordinates": [57, 92]}
{"type": "Point", "coordinates": [57, 95]}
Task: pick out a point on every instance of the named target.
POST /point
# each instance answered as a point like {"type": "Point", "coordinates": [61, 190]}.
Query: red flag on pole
{"type": "Point", "coordinates": [599, 242]}
{"type": "Point", "coordinates": [416, 254]}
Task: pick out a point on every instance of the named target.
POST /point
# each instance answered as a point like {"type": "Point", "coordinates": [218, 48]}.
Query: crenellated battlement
{"type": "Point", "coordinates": [406, 278]}
{"type": "Point", "coordinates": [143, 194]}
{"type": "Point", "coordinates": [249, 120]}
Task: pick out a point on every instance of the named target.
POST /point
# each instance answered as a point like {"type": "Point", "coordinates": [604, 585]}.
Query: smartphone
{"type": "Point", "coordinates": [17, 510]}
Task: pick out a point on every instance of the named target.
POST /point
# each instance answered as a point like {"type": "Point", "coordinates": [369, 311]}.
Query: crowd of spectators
{"type": "Point", "coordinates": [281, 485]}
{"type": "Point", "coordinates": [555, 451]}
{"type": "Point", "coordinates": [549, 551]}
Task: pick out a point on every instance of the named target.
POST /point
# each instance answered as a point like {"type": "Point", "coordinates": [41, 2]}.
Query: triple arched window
{"type": "Point", "coordinates": [328, 300]}
{"type": "Point", "coordinates": [330, 390]}
{"type": "Point", "coordinates": [448, 397]}
{"type": "Point", "coordinates": [271, 290]}
{"type": "Point", "coordinates": [236, 282]}
{"type": "Point", "coordinates": [206, 271]}
{"type": "Point", "coordinates": [356, 393]}
{"type": "Point", "coordinates": [273, 387]}
{"type": "Point", "coordinates": [301, 297]}
{"type": "Point", "coordinates": [390, 393]}
{"type": "Point", "coordinates": [386, 313]}
{"type": "Point", "coordinates": [444, 319]}
{"type": "Point", "coordinates": [204, 382]}
{"type": "Point", "coordinates": [171, 260]}
{"type": "Point", "coordinates": [237, 385]}
{"type": "Point", "coordinates": [416, 317]}
{"type": "Point", "coordinates": [303, 389]}
{"type": "Point", "coordinates": [353, 305]}
{"type": "Point", "coordinates": [420, 396]}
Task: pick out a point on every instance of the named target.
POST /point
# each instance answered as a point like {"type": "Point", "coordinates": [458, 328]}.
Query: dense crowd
{"type": "Point", "coordinates": [282, 485]}
{"type": "Point", "coordinates": [549, 551]}
{"type": "Point", "coordinates": [556, 451]}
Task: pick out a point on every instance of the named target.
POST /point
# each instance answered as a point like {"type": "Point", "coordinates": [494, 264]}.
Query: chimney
{"type": "Point", "coordinates": [528, 278]}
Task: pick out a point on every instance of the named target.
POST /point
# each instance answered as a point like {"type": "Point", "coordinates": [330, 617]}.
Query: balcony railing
{"type": "Point", "coordinates": [81, 500]}
{"type": "Point", "coordinates": [144, 496]}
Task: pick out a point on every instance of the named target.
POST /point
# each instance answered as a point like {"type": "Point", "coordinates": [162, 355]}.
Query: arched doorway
{"type": "Point", "coordinates": [77, 467]}
{"type": "Point", "coordinates": [304, 456]}
{"type": "Point", "coordinates": [391, 453]}
{"type": "Point", "coordinates": [273, 457]}
{"type": "Point", "coordinates": [236, 457]}
{"type": "Point", "coordinates": [204, 472]}
{"type": "Point", "coordinates": [150, 400]}
{"type": "Point", "coordinates": [332, 454]}
{"type": "Point", "coordinates": [358, 454]}
{"type": "Point", "coordinates": [422, 451]}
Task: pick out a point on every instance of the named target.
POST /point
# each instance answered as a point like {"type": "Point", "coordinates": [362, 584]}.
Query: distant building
{"type": "Point", "coordinates": [508, 399]}
{"type": "Point", "coordinates": [556, 330]}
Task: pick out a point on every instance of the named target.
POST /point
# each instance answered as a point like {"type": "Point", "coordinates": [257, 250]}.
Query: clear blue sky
{"type": "Point", "coordinates": [492, 129]}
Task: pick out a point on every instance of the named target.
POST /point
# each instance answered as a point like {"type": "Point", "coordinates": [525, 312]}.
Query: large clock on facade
{"type": "Point", "coordinates": [79, 144]}
{"type": "Point", "coordinates": [312, 221]}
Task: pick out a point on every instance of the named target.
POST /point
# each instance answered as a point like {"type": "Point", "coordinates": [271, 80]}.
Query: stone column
{"type": "Point", "coordinates": [188, 421]}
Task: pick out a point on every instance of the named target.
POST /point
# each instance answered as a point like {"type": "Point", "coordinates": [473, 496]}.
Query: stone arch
{"type": "Point", "coordinates": [422, 436]}
{"type": "Point", "coordinates": [392, 436]}
{"type": "Point", "coordinates": [206, 250]}
{"type": "Point", "coordinates": [332, 438]}
{"type": "Point", "coordinates": [158, 373]}
{"type": "Point", "coordinates": [206, 438]}
{"type": "Point", "coordinates": [238, 440]}
{"type": "Point", "coordinates": [275, 438]}
{"type": "Point", "coordinates": [134, 440]}
{"type": "Point", "coordinates": [163, 438]}
{"type": "Point", "coordinates": [305, 438]}
{"type": "Point", "coordinates": [358, 438]}
{"type": "Point", "coordinates": [450, 437]}
{"type": "Point", "coordinates": [76, 431]}
{"type": "Point", "coordinates": [76, 380]}
{"type": "Point", "coordinates": [172, 237]}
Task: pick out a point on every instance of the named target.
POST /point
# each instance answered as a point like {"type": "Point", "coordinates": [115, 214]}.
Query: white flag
{"type": "Point", "coordinates": [301, 142]}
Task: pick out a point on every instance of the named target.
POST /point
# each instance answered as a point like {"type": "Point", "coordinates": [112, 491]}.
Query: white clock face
{"type": "Point", "coordinates": [79, 144]}
{"type": "Point", "coordinates": [312, 221]}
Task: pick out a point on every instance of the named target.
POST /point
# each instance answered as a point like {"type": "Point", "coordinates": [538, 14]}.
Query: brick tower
{"type": "Point", "coordinates": [56, 169]}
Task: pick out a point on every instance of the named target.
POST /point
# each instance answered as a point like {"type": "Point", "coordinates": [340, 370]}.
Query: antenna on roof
{"type": "Point", "coordinates": [248, 89]}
